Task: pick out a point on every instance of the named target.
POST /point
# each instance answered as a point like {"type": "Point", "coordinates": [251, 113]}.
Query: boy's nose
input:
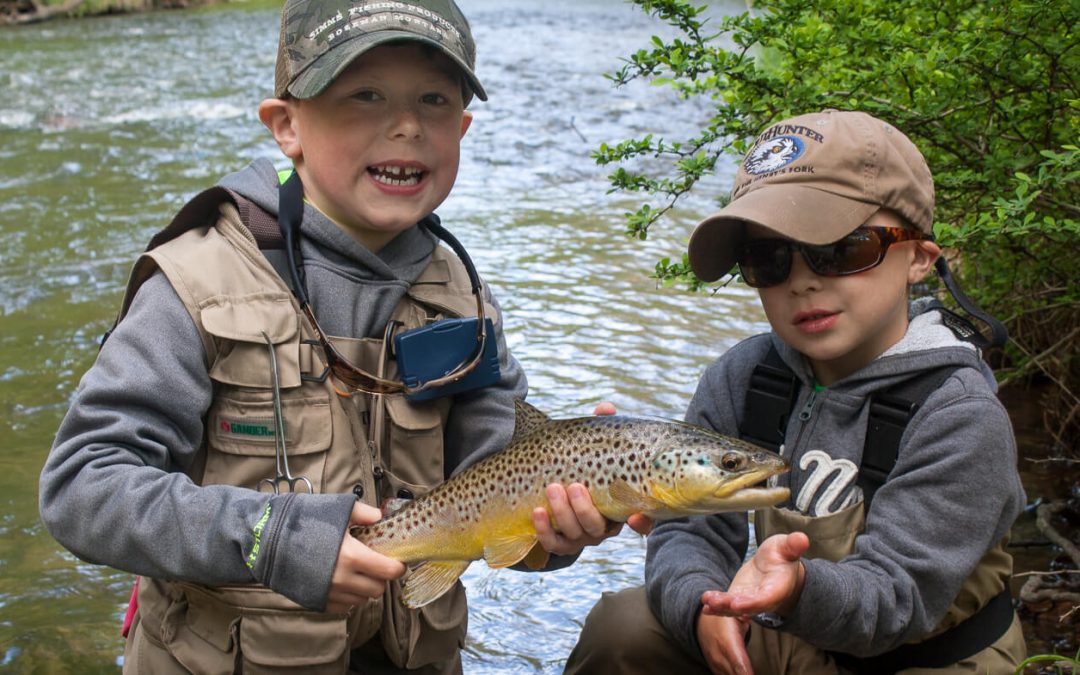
{"type": "Point", "coordinates": [406, 123]}
{"type": "Point", "coordinates": [802, 278]}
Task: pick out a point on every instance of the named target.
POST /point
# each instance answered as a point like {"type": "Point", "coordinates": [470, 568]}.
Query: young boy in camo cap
{"type": "Point", "coordinates": [878, 563]}
{"type": "Point", "coordinates": [223, 443]}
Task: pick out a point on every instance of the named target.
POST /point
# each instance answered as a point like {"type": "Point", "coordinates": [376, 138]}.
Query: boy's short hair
{"type": "Point", "coordinates": [815, 178]}
{"type": "Point", "coordinates": [320, 38]}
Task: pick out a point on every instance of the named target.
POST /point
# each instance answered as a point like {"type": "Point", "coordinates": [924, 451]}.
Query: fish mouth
{"type": "Point", "coordinates": [743, 483]}
{"type": "Point", "coordinates": [749, 498]}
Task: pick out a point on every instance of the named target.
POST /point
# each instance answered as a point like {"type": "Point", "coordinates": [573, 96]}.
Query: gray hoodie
{"type": "Point", "coordinates": [953, 494]}
{"type": "Point", "coordinates": [112, 489]}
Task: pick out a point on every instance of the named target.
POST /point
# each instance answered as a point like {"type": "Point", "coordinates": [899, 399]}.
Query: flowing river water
{"type": "Point", "coordinates": [108, 125]}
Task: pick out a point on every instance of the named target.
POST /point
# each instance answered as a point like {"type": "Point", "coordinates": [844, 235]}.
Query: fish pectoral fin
{"type": "Point", "coordinates": [621, 493]}
{"type": "Point", "coordinates": [669, 499]}
{"type": "Point", "coordinates": [537, 559]}
{"type": "Point", "coordinates": [429, 580]}
{"type": "Point", "coordinates": [508, 550]}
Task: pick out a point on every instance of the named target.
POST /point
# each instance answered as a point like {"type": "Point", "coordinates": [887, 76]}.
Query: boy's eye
{"type": "Point", "coordinates": [434, 99]}
{"type": "Point", "coordinates": [367, 95]}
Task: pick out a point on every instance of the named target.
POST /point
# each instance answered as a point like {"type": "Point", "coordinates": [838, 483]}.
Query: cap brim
{"type": "Point", "coordinates": [804, 214]}
{"type": "Point", "coordinates": [325, 69]}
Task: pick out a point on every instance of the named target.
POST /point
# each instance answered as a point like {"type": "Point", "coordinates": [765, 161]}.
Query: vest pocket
{"type": "Point", "coordinates": [241, 435]}
{"type": "Point", "coordinates": [303, 642]}
{"type": "Point", "coordinates": [415, 453]}
{"type": "Point", "coordinates": [250, 629]}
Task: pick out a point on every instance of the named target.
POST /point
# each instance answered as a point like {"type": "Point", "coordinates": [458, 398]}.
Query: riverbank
{"type": "Point", "coordinates": [20, 12]}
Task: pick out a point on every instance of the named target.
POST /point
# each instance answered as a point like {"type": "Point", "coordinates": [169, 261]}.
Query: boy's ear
{"type": "Point", "coordinates": [466, 122]}
{"type": "Point", "coordinates": [278, 115]}
{"type": "Point", "coordinates": [925, 255]}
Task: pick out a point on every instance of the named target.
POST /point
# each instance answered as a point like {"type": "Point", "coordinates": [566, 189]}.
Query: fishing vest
{"type": "Point", "coordinates": [373, 446]}
{"type": "Point", "coordinates": [982, 611]}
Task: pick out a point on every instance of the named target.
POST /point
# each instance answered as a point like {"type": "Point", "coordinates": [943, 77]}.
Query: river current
{"type": "Point", "coordinates": [107, 125]}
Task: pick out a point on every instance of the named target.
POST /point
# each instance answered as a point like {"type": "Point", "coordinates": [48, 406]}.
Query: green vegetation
{"type": "Point", "coordinates": [990, 92]}
{"type": "Point", "coordinates": [1060, 665]}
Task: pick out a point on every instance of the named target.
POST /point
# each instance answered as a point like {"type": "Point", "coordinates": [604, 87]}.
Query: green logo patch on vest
{"type": "Point", "coordinates": [246, 429]}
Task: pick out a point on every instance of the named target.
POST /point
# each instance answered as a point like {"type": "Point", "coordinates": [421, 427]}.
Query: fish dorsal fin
{"type": "Point", "coordinates": [508, 550]}
{"type": "Point", "coordinates": [428, 581]}
{"type": "Point", "coordinates": [527, 419]}
{"type": "Point", "coordinates": [621, 493]}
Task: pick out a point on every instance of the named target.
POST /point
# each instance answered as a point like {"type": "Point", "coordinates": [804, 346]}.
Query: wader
{"type": "Point", "coordinates": [373, 446]}
{"type": "Point", "coordinates": [621, 635]}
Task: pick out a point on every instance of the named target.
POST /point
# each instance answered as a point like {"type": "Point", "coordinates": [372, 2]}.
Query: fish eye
{"type": "Point", "coordinates": [731, 461]}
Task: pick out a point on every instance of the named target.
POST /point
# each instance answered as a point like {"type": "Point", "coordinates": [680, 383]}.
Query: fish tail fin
{"type": "Point", "coordinates": [428, 581]}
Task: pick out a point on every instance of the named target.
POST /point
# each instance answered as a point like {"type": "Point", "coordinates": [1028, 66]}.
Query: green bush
{"type": "Point", "coordinates": [989, 91]}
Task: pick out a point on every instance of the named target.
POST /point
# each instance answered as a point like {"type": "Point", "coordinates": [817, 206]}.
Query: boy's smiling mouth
{"type": "Point", "coordinates": [396, 175]}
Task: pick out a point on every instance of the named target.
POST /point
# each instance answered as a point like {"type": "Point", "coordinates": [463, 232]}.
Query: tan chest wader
{"type": "Point", "coordinates": [373, 446]}
{"type": "Point", "coordinates": [980, 632]}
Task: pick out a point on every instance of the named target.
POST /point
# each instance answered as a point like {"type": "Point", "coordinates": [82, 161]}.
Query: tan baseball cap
{"type": "Point", "coordinates": [320, 38]}
{"type": "Point", "coordinates": [815, 178]}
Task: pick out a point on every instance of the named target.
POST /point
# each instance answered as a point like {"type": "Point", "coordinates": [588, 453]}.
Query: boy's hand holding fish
{"type": "Point", "coordinates": [360, 573]}
{"type": "Point", "coordinates": [580, 523]}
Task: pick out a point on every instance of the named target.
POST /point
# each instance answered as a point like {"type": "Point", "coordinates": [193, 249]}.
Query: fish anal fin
{"type": "Point", "coordinates": [527, 419]}
{"type": "Point", "coordinates": [633, 500]}
{"type": "Point", "coordinates": [428, 581]}
{"type": "Point", "coordinates": [508, 550]}
{"type": "Point", "coordinates": [537, 559]}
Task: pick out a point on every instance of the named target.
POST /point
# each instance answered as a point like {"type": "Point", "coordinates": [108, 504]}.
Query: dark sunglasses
{"type": "Point", "coordinates": [767, 262]}
{"type": "Point", "coordinates": [290, 213]}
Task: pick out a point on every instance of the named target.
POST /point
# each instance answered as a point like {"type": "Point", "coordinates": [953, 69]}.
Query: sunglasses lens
{"type": "Point", "coordinates": [765, 262]}
{"type": "Point", "coordinates": [858, 251]}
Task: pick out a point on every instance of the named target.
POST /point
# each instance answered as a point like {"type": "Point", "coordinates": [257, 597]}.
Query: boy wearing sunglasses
{"type": "Point", "coordinates": [248, 408]}
{"type": "Point", "coordinates": [890, 555]}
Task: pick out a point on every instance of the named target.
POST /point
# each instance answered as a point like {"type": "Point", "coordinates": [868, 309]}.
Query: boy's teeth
{"type": "Point", "coordinates": [396, 175]}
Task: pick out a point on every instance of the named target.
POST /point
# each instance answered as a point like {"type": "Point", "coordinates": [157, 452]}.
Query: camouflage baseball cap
{"type": "Point", "coordinates": [320, 38]}
{"type": "Point", "coordinates": [815, 178]}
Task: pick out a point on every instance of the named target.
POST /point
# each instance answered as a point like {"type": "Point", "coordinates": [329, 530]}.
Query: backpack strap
{"type": "Point", "coordinates": [202, 210]}
{"type": "Point", "coordinates": [890, 412]}
{"type": "Point", "coordinates": [769, 401]}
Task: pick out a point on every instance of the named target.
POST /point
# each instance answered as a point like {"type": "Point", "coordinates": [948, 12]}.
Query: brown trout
{"type": "Point", "coordinates": [663, 469]}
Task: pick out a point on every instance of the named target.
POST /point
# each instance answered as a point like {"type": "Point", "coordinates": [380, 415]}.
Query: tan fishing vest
{"type": "Point", "coordinates": [373, 446]}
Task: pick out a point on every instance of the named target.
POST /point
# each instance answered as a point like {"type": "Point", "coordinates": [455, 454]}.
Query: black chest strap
{"type": "Point", "coordinates": [769, 401]}
{"type": "Point", "coordinates": [890, 412]}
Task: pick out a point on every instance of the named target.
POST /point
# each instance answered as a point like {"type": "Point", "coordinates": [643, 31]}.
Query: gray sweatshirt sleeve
{"type": "Point", "coordinates": [688, 556]}
{"type": "Point", "coordinates": [114, 492]}
{"type": "Point", "coordinates": [481, 422]}
{"type": "Point", "coordinates": [953, 494]}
